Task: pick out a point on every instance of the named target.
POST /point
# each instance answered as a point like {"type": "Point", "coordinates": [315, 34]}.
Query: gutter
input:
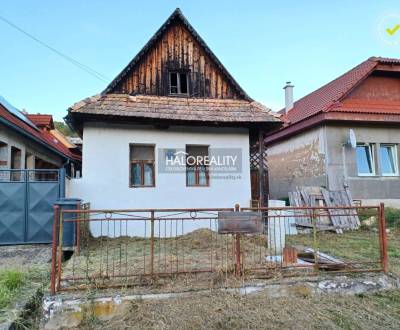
{"type": "Point", "coordinates": [41, 142]}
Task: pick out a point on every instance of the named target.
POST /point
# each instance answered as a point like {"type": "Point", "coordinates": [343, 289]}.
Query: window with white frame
{"type": "Point", "coordinates": [365, 159]}
{"type": "Point", "coordinates": [388, 159]}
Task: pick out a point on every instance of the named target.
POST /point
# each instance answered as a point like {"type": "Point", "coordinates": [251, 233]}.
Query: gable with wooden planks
{"type": "Point", "coordinates": [176, 47]}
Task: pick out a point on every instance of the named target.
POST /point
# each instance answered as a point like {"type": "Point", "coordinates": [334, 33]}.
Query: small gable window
{"type": "Point", "coordinates": [178, 83]}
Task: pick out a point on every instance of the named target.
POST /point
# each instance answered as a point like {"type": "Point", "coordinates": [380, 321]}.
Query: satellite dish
{"type": "Point", "coordinates": [352, 141]}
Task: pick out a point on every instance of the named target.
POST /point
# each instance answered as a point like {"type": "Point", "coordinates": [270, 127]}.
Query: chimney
{"type": "Point", "coordinates": [288, 96]}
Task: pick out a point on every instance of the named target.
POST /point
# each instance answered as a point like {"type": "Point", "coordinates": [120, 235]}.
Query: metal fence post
{"type": "Point", "coordinates": [237, 248]}
{"type": "Point", "coordinates": [54, 251]}
{"type": "Point", "coordinates": [315, 242]}
{"type": "Point", "coordinates": [78, 228]}
{"type": "Point", "coordinates": [61, 173]}
{"type": "Point", "coordinates": [383, 238]}
{"type": "Point", "coordinates": [60, 252]}
{"type": "Point", "coordinates": [152, 244]}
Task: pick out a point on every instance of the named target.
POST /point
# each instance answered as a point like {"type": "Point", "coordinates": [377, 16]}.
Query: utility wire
{"type": "Point", "coordinates": [78, 64]}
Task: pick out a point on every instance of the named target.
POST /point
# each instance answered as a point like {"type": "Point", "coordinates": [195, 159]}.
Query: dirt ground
{"type": "Point", "coordinates": [23, 256]}
{"type": "Point", "coordinates": [257, 311]}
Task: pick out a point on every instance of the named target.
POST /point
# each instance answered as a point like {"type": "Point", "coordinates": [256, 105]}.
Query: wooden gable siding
{"type": "Point", "coordinates": [177, 49]}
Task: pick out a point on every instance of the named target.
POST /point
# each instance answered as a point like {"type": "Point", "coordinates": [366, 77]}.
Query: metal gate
{"type": "Point", "coordinates": [26, 204]}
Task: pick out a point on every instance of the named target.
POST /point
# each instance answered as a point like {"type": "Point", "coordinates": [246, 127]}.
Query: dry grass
{"type": "Point", "coordinates": [360, 245]}
{"type": "Point", "coordinates": [128, 258]}
{"type": "Point", "coordinates": [229, 311]}
{"type": "Point", "coordinates": [198, 251]}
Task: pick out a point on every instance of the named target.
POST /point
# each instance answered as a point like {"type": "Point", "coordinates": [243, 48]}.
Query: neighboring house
{"type": "Point", "coordinates": [31, 142]}
{"type": "Point", "coordinates": [345, 133]}
{"type": "Point", "coordinates": [174, 101]}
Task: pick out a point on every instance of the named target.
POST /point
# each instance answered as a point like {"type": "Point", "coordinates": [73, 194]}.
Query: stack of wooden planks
{"type": "Point", "coordinates": [334, 219]}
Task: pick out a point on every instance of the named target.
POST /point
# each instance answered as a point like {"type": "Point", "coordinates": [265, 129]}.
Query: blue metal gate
{"type": "Point", "coordinates": [26, 204]}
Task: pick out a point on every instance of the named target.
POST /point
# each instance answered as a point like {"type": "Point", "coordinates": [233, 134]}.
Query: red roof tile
{"type": "Point", "coordinates": [41, 120]}
{"type": "Point", "coordinates": [326, 97]}
{"type": "Point", "coordinates": [330, 98]}
{"type": "Point", "coordinates": [41, 135]}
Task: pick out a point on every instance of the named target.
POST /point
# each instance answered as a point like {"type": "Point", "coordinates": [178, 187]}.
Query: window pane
{"type": "Point", "coordinates": [388, 162]}
{"type": "Point", "coordinates": [148, 175]}
{"type": "Point", "coordinates": [190, 176]}
{"type": "Point", "coordinates": [202, 176]}
{"type": "Point", "coordinates": [364, 159]}
{"type": "Point", "coordinates": [173, 82]}
{"type": "Point", "coordinates": [139, 152]}
{"type": "Point", "coordinates": [197, 150]}
{"type": "Point", "coordinates": [136, 175]}
{"type": "Point", "coordinates": [183, 81]}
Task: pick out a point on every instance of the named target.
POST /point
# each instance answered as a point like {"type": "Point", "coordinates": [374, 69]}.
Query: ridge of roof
{"type": "Point", "coordinates": [177, 14]}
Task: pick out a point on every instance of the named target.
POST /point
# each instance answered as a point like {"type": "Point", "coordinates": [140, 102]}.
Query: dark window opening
{"type": "Point", "coordinates": [178, 83]}
{"type": "Point", "coordinates": [142, 166]}
{"type": "Point", "coordinates": [16, 155]}
{"type": "Point", "coordinates": [183, 83]}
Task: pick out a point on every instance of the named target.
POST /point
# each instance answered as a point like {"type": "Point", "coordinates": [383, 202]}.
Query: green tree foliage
{"type": "Point", "coordinates": [59, 125]}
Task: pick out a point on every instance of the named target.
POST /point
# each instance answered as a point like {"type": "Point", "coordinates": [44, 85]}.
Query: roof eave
{"type": "Point", "coordinates": [75, 121]}
{"type": "Point", "coordinates": [337, 117]}
{"type": "Point", "coordinates": [39, 141]}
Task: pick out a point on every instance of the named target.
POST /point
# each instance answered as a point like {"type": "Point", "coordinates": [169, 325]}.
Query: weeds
{"type": "Point", "coordinates": [10, 283]}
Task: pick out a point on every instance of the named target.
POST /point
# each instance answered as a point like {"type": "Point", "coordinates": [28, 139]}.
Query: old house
{"type": "Point", "coordinates": [345, 133]}
{"type": "Point", "coordinates": [173, 102]}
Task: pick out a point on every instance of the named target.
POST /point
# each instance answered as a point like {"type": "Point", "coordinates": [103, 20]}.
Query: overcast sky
{"type": "Point", "coordinates": [262, 43]}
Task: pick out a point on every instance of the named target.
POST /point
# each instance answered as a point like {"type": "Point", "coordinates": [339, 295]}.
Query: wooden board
{"type": "Point", "coordinates": [240, 222]}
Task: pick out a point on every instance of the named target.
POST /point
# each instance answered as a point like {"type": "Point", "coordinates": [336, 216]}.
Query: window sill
{"type": "Point", "coordinates": [179, 95]}
{"type": "Point", "coordinates": [142, 187]}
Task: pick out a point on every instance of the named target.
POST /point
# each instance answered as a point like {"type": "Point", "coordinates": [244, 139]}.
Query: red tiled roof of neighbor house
{"type": "Point", "coordinates": [41, 120]}
{"type": "Point", "coordinates": [330, 98]}
{"type": "Point", "coordinates": [41, 136]}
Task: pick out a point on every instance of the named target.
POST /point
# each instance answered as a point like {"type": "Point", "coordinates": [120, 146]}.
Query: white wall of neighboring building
{"type": "Point", "coordinates": [105, 181]}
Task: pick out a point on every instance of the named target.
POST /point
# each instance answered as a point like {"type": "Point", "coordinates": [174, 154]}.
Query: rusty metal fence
{"type": "Point", "coordinates": [116, 248]}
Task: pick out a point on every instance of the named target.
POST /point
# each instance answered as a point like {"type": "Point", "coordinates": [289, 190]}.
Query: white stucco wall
{"type": "Point", "coordinates": [105, 181]}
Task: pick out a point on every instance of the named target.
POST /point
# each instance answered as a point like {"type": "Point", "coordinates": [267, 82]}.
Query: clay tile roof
{"type": "Point", "coordinates": [43, 137]}
{"type": "Point", "coordinates": [41, 120]}
{"type": "Point", "coordinates": [327, 96]}
{"type": "Point", "coordinates": [175, 108]}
